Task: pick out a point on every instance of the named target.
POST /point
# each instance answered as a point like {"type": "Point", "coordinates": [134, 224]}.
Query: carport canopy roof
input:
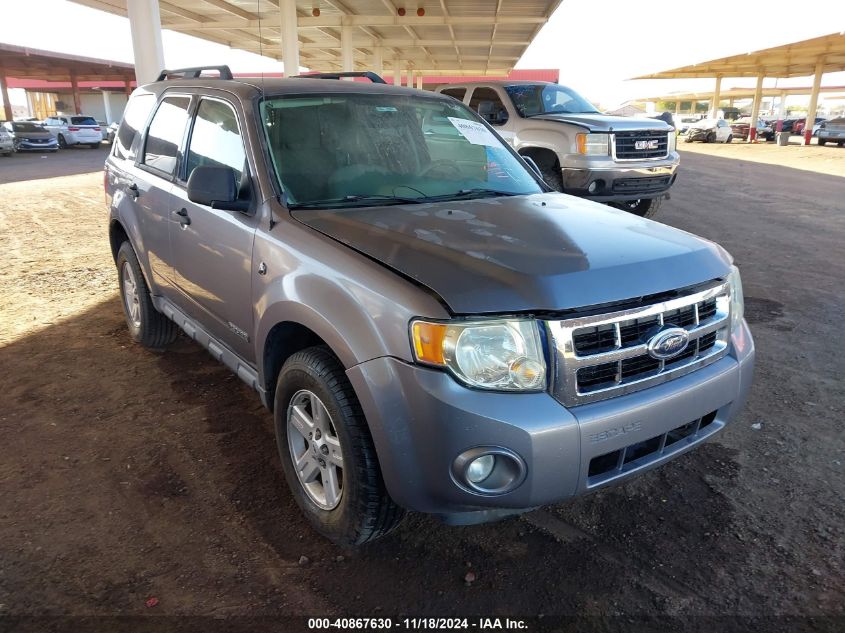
{"type": "Point", "coordinates": [31, 63]}
{"type": "Point", "coordinates": [452, 37]}
{"type": "Point", "coordinates": [798, 59]}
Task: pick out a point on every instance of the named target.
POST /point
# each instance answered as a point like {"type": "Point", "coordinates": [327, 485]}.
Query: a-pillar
{"type": "Point", "coordinates": [755, 110]}
{"type": "Point", "coordinates": [74, 86]}
{"type": "Point", "coordinates": [814, 102]}
{"type": "Point", "coordinates": [7, 105]}
{"type": "Point", "coordinates": [290, 37]}
{"type": "Point", "coordinates": [714, 111]}
{"type": "Point", "coordinates": [145, 26]}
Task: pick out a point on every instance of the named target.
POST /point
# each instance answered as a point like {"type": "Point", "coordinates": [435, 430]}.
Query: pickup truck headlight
{"type": "Point", "coordinates": [672, 141]}
{"type": "Point", "coordinates": [737, 300]}
{"type": "Point", "coordinates": [593, 144]}
{"type": "Point", "coordinates": [500, 355]}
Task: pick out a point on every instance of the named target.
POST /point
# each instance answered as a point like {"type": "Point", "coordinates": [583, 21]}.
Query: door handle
{"type": "Point", "coordinates": [133, 190]}
{"type": "Point", "coordinates": [184, 220]}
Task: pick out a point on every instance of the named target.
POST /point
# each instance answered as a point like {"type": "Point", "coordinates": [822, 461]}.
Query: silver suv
{"type": "Point", "coordinates": [628, 162]}
{"type": "Point", "coordinates": [432, 328]}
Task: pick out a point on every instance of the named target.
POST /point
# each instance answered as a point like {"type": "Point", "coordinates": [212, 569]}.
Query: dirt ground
{"type": "Point", "coordinates": [128, 475]}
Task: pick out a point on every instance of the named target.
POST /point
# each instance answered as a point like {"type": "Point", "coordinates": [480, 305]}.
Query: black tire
{"type": "Point", "coordinates": [94, 145]}
{"type": "Point", "coordinates": [839, 143]}
{"type": "Point", "coordinates": [62, 141]}
{"type": "Point", "coordinates": [729, 139]}
{"type": "Point", "coordinates": [688, 140]}
{"type": "Point", "coordinates": [365, 511]}
{"type": "Point", "coordinates": [822, 141]}
{"type": "Point", "coordinates": [645, 208]}
{"type": "Point", "coordinates": [152, 329]}
{"type": "Point", "coordinates": [711, 138]}
{"type": "Point", "coordinates": [553, 176]}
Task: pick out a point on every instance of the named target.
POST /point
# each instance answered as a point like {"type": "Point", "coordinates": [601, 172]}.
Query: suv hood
{"type": "Point", "coordinates": [534, 253]}
{"type": "Point", "coordinates": [605, 122]}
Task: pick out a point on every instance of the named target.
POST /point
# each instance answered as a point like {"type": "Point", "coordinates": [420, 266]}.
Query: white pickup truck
{"type": "Point", "coordinates": [628, 162]}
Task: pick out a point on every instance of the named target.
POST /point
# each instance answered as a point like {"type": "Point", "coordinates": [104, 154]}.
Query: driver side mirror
{"type": "Point", "coordinates": [215, 187]}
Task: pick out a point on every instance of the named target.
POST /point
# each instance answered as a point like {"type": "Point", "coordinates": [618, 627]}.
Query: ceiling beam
{"type": "Point", "coordinates": [307, 22]}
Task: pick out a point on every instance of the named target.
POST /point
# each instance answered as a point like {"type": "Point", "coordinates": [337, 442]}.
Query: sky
{"type": "Point", "coordinates": [596, 45]}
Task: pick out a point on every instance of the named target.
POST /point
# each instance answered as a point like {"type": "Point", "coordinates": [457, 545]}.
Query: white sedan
{"type": "Point", "coordinates": [710, 131]}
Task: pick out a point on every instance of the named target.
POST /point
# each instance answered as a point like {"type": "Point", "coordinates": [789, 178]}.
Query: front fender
{"type": "Point", "coordinates": [547, 137]}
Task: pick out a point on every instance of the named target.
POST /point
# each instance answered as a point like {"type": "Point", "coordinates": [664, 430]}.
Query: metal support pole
{"type": "Point", "coordinates": [290, 37]}
{"type": "Point", "coordinates": [378, 61]}
{"type": "Point", "coordinates": [781, 110]}
{"type": "Point", "coordinates": [145, 26]}
{"type": "Point", "coordinates": [397, 71]}
{"type": "Point", "coordinates": [107, 106]}
{"type": "Point", "coordinates": [814, 102]}
{"type": "Point", "coordinates": [714, 111]}
{"type": "Point", "coordinates": [7, 105]}
{"type": "Point", "coordinates": [410, 83]}
{"type": "Point", "coordinates": [347, 58]}
{"type": "Point", "coordinates": [74, 86]}
{"type": "Point", "coordinates": [419, 81]}
{"type": "Point", "coordinates": [755, 110]}
{"type": "Point", "coordinates": [127, 86]}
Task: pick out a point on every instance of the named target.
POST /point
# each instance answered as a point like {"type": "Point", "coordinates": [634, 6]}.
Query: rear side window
{"type": "Point", "coordinates": [165, 134]}
{"type": "Point", "coordinates": [134, 117]}
{"type": "Point", "coordinates": [489, 106]}
{"type": "Point", "coordinates": [82, 120]}
{"type": "Point", "coordinates": [216, 139]}
{"type": "Point", "coordinates": [457, 93]}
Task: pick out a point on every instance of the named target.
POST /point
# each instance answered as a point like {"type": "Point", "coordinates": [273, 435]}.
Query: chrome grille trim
{"type": "Point", "coordinates": [568, 361]}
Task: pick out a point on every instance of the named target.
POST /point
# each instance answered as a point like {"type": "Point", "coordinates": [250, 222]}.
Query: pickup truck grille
{"type": "Point", "coordinates": [640, 145]}
{"type": "Point", "coordinates": [606, 355]}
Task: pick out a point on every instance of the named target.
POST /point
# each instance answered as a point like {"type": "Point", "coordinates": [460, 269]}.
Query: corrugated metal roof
{"type": "Point", "coordinates": [485, 37]}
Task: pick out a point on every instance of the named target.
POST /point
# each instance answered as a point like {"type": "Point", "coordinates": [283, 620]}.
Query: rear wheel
{"type": "Point", "coordinates": [62, 141]}
{"type": "Point", "coordinates": [147, 326]}
{"type": "Point", "coordinates": [94, 145]}
{"type": "Point", "coordinates": [327, 452]}
{"type": "Point", "coordinates": [645, 208]}
{"type": "Point", "coordinates": [822, 141]}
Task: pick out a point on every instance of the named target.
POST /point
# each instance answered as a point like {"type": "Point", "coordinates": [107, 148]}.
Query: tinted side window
{"type": "Point", "coordinates": [489, 106]}
{"type": "Point", "coordinates": [216, 139]}
{"type": "Point", "coordinates": [458, 93]}
{"type": "Point", "coordinates": [165, 134]}
{"type": "Point", "coordinates": [134, 117]}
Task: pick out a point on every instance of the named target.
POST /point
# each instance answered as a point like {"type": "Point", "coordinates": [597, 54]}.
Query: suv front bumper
{"type": "Point", "coordinates": [620, 183]}
{"type": "Point", "coordinates": [421, 420]}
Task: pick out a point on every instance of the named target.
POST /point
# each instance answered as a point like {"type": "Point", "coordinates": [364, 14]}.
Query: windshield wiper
{"type": "Point", "coordinates": [370, 197]}
{"type": "Point", "coordinates": [478, 191]}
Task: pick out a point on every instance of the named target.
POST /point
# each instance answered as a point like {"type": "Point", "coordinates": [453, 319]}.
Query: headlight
{"type": "Point", "coordinates": [501, 355]}
{"type": "Point", "coordinates": [673, 137]}
{"type": "Point", "coordinates": [737, 300]}
{"type": "Point", "coordinates": [593, 144]}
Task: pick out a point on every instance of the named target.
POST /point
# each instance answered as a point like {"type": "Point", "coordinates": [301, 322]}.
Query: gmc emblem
{"type": "Point", "coordinates": [649, 144]}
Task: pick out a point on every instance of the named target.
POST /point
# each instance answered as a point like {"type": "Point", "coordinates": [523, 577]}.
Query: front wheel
{"type": "Point", "coordinates": [147, 326]}
{"type": "Point", "coordinates": [729, 139]}
{"type": "Point", "coordinates": [327, 452]}
{"type": "Point", "coordinates": [711, 138]}
{"type": "Point", "coordinates": [62, 141]}
{"type": "Point", "coordinates": [553, 177]}
{"type": "Point", "coordinates": [645, 208]}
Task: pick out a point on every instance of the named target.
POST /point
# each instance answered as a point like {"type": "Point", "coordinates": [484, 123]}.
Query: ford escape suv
{"type": "Point", "coordinates": [432, 328]}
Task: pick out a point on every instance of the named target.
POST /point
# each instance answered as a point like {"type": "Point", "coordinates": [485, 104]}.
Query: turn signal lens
{"type": "Point", "coordinates": [428, 341]}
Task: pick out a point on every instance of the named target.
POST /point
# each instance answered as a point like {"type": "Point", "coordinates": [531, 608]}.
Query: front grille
{"type": "Point", "coordinates": [639, 145]}
{"type": "Point", "coordinates": [605, 355]}
{"type": "Point", "coordinates": [635, 456]}
{"type": "Point", "coordinates": [641, 185]}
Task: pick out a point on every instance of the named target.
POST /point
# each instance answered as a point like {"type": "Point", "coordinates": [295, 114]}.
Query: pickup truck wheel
{"type": "Point", "coordinates": [553, 177]}
{"type": "Point", "coordinates": [644, 208]}
{"type": "Point", "coordinates": [147, 326]}
{"type": "Point", "coordinates": [327, 452]}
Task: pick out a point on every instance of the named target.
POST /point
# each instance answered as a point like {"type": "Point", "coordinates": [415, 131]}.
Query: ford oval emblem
{"type": "Point", "coordinates": [668, 343]}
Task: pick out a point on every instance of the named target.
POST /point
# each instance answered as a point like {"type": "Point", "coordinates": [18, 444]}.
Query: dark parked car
{"type": "Point", "coordinates": [30, 137]}
{"type": "Point", "coordinates": [432, 327]}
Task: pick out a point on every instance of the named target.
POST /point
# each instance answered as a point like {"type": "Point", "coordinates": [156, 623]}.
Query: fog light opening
{"type": "Point", "coordinates": [592, 187]}
{"type": "Point", "coordinates": [488, 470]}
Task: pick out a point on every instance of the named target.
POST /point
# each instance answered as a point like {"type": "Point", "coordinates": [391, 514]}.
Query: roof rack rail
{"type": "Point", "coordinates": [376, 79]}
{"type": "Point", "coordinates": [195, 72]}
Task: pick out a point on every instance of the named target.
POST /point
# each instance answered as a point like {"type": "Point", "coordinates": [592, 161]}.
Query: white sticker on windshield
{"type": "Point", "coordinates": [474, 132]}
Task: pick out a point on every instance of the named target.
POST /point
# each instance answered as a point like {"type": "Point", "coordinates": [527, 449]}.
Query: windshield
{"type": "Point", "coordinates": [26, 127]}
{"type": "Point", "coordinates": [354, 149]}
{"type": "Point", "coordinates": [533, 99]}
{"type": "Point", "coordinates": [82, 120]}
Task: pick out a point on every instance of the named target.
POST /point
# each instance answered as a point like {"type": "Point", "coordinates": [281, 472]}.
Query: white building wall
{"type": "Point", "coordinates": [92, 105]}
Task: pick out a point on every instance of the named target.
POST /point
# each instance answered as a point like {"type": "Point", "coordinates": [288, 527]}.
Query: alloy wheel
{"type": "Point", "coordinates": [131, 300]}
